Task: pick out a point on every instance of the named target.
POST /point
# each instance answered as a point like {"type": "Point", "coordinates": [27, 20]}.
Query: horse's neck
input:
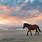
{"type": "Point", "coordinates": [29, 24]}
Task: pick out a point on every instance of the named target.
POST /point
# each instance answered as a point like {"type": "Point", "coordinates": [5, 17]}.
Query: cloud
{"type": "Point", "coordinates": [34, 20]}
{"type": "Point", "coordinates": [5, 10]}
{"type": "Point", "coordinates": [25, 12]}
{"type": "Point", "coordinates": [7, 19]}
{"type": "Point", "coordinates": [26, 1]}
{"type": "Point", "coordinates": [18, 21]}
{"type": "Point", "coordinates": [8, 10]}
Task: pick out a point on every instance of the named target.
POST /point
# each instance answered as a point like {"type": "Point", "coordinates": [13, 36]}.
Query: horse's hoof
{"type": "Point", "coordinates": [27, 34]}
{"type": "Point", "coordinates": [35, 34]}
{"type": "Point", "coordinates": [38, 34]}
{"type": "Point", "coordinates": [31, 34]}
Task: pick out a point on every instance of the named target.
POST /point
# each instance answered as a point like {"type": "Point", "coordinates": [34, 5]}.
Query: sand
{"type": "Point", "coordinates": [19, 36]}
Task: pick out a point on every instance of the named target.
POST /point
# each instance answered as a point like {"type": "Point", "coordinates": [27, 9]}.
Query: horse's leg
{"type": "Point", "coordinates": [27, 32]}
{"type": "Point", "coordinates": [31, 32]}
{"type": "Point", "coordinates": [36, 32]}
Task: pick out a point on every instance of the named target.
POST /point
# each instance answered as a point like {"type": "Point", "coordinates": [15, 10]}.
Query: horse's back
{"type": "Point", "coordinates": [33, 27]}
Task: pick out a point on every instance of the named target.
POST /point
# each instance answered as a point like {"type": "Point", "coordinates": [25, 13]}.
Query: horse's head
{"type": "Point", "coordinates": [24, 25]}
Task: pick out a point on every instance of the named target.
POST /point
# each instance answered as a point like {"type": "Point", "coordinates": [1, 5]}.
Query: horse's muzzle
{"type": "Point", "coordinates": [23, 27]}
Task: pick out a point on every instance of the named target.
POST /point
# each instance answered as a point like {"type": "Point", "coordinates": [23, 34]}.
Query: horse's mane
{"type": "Point", "coordinates": [27, 24]}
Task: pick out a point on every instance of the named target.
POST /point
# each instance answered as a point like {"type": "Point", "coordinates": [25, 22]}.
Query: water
{"type": "Point", "coordinates": [19, 36]}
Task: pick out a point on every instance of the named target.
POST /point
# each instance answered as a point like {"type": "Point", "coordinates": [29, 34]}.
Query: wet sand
{"type": "Point", "coordinates": [19, 36]}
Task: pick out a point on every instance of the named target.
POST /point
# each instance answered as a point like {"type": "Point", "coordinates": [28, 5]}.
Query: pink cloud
{"type": "Point", "coordinates": [8, 10]}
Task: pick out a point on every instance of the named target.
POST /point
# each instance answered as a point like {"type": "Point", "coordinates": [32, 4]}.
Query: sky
{"type": "Point", "coordinates": [16, 12]}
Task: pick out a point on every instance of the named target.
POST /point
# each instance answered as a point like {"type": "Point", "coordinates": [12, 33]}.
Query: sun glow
{"type": "Point", "coordinates": [24, 21]}
{"type": "Point", "coordinates": [4, 21]}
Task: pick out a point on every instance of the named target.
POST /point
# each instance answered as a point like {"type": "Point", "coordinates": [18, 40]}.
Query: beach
{"type": "Point", "coordinates": [19, 36]}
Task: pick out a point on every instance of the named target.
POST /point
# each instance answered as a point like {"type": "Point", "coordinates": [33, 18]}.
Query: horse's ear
{"type": "Point", "coordinates": [24, 24]}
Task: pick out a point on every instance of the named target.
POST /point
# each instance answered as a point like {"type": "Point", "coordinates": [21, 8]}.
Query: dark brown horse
{"type": "Point", "coordinates": [31, 27]}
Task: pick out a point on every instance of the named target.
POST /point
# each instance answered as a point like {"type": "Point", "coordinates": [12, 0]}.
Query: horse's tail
{"type": "Point", "coordinates": [39, 29]}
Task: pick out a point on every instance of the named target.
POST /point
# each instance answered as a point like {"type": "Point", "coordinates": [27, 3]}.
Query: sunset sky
{"type": "Point", "coordinates": [17, 12]}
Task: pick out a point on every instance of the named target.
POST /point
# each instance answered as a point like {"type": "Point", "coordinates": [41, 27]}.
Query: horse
{"type": "Point", "coordinates": [31, 27]}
